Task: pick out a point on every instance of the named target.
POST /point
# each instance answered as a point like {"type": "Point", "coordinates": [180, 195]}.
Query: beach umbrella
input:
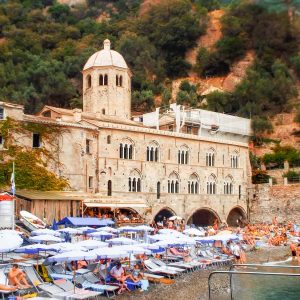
{"type": "Point", "coordinates": [45, 231]}
{"type": "Point", "coordinates": [10, 231]}
{"type": "Point", "coordinates": [108, 228]}
{"type": "Point", "coordinates": [85, 229]}
{"type": "Point", "coordinates": [148, 246]}
{"type": "Point", "coordinates": [69, 230]}
{"type": "Point", "coordinates": [72, 256]}
{"type": "Point", "coordinates": [34, 248]}
{"type": "Point", "coordinates": [204, 240]}
{"type": "Point", "coordinates": [128, 229]}
{"type": "Point", "coordinates": [45, 238]}
{"type": "Point", "coordinates": [66, 247]}
{"type": "Point", "coordinates": [9, 242]}
{"type": "Point", "coordinates": [109, 252]}
{"type": "Point", "coordinates": [173, 218]}
{"type": "Point", "coordinates": [168, 231]}
{"type": "Point", "coordinates": [133, 249]}
{"type": "Point", "coordinates": [194, 231]}
{"type": "Point", "coordinates": [101, 234]}
{"type": "Point", "coordinates": [122, 241]}
{"type": "Point", "coordinates": [144, 228]}
{"type": "Point", "coordinates": [91, 244]}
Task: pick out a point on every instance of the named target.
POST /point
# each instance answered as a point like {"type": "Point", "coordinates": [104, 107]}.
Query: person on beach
{"type": "Point", "coordinates": [8, 288]}
{"type": "Point", "coordinates": [298, 253]}
{"type": "Point", "coordinates": [236, 251]}
{"type": "Point", "coordinates": [293, 249]}
{"type": "Point", "coordinates": [17, 277]}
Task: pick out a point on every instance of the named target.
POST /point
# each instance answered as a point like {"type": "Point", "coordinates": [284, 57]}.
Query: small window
{"type": "Point", "coordinates": [103, 111]}
{"type": "Point", "coordinates": [117, 80]}
{"type": "Point", "coordinates": [108, 139]}
{"type": "Point", "coordinates": [88, 81]}
{"type": "Point", "coordinates": [170, 127]}
{"type": "Point", "coordinates": [1, 141]}
{"type": "Point", "coordinates": [36, 140]}
{"type": "Point", "coordinates": [105, 79]}
{"type": "Point", "coordinates": [1, 113]}
{"type": "Point", "coordinates": [189, 129]}
{"type": "Point", "coordinates": [120, 81]}
{"type": "Point", "coordinates": [158, 190]}
{"type": "Point", "coordinates": [169, 154]}
{"type": "Point", "coordinates": [91, 182]}
{"type": "Point", "coordinates": [101, 81]}
{"type": "Point", "coordinates": [109, 188]}
{"type": "Point", "coordinates": [47, 114]}
{"type": "Point", "coordinates": [240, 191]}
{"type": "Point", "coordinates": [88, 146]}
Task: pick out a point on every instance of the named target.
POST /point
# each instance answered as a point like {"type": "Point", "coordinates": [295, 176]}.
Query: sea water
{"type": "Point", "coordinates": [263, 287]}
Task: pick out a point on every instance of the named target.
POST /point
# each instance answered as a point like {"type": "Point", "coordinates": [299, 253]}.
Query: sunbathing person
{"type": "Point", "coordinates": [8, 288]}
{"type": "Point", "coordinates": [17, 277]}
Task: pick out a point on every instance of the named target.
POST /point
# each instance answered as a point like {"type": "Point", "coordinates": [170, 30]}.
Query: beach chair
{"type": "Point", "coordinates": [153, 268]}
{"type": "Point", "coordinates": [157, 278]}
{"type": "Point", "coordinates": [77, 293]}
{"type": "Point", "coordinates": [162, 264]}
{"type": "Point", "coordinates": [91, 281]}
{"type": "Point", "coordinates": [3, 281]}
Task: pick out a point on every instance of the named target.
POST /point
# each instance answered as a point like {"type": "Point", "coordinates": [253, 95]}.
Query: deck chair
{"type": "Point", "coordinates": [3, 281]}
{"type": "Point", "coordinates": [93, 282]}
{"type": "Point", "coordinates": [153, 268]}
{"type": "Point", "coordinates": [162, 264]}
{"type": "Point", "coordinates": [78, 293]}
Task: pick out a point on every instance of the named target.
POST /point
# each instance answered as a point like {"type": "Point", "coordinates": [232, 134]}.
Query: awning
{"type": "Point", "coordinates": [115, 205]}
{"type": "Point", "coordinates": [76, 221]}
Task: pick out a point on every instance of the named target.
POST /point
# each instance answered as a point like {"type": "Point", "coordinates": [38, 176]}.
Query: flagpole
{"type": "Point", "coordinates": [13, 187]}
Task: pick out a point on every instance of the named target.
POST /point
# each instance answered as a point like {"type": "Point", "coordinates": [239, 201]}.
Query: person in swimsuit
{"type": "Point", "coordinates": [8, 287]}
{"type": "Point", "coordinates": [17, 277]}
{"type": "Point", "coordinates": [293, 249]}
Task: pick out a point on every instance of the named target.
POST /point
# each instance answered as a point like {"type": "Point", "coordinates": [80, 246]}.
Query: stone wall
{"type": "Point", "coordinates": [267, 201]}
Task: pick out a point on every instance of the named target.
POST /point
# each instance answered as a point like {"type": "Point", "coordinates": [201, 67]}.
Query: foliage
{"type": "Point", "coordinates": [281, 154]}
{"type": "Point", "coordinates": [297, 117]}
{"type": "Point", "coordinates": [292, 176]}
{"type": "Point", "coordinates": [30, 164]}
{"type": "Point", "coordinates": [255, 161]}
{"type": "Point", "coordinates": [259, 177]}
{"type": "Point", "coordinates": [143, 99]}
{"type": "Point", "coordinates": [187, 94]}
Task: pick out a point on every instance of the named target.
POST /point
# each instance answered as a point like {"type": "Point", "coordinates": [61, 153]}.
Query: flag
{"type": "Point", "coordinates": [12, 181]}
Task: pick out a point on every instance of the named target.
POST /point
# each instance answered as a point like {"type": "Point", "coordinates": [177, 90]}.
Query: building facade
{"type": "Point", "coordinates": [190, 163]}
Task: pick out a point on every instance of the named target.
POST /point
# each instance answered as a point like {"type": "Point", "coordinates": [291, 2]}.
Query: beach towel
{"type": "Point", "coordinates": [144, 284]}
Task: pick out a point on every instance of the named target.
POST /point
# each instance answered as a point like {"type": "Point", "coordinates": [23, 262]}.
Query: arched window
{"type": "Point", "coordinates": [101, 80]}
{"type": "Point", "coordinates": [183, 155]}
{"type": "Point", "coordinates": [103, 111]}
{"type": "Point", "coordinates": [173, 183]}
{"type": "Point", "coordinates": [228, 185]}
{"type": "Point", "coordinates": [108, 139]}
{"type": "Point", "coordinates": [105, 79]}
{"type": "Point", "coordinates": [109, 188]}
{"type": "Point", "coordinates": [121, 81]}
{"type": "Point", "coordinates": [126, 149]}
{"type": "Point", "coordinates": [88, 81]}
{"type": "Point", "coordinates": [211, 184]}
{"type": "Point", "coordinates": [193, 184]}
{"type": "Point", "coordinates": [234, 160]}
{"type": "Point", "coordinates": [158, 190]}
{"type": "Point", "coordinates": [153, 151]}
{"type": "Point", "coordinates": [134, 181]}
{"type": "Point", "coordinates": [117, 80]}
{"type": "Point", "coordinates": [210, 158]}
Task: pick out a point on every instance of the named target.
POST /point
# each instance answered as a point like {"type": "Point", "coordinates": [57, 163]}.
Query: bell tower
{"type": "Point", "coordinates": [107, 84]}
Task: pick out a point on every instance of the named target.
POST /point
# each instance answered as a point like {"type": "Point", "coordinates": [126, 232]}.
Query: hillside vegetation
{"type": "Point", "coordinates": [44, 44]}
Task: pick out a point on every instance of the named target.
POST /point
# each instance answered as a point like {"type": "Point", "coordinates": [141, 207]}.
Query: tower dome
{"type": "Point", "coordinates": [105, 58]}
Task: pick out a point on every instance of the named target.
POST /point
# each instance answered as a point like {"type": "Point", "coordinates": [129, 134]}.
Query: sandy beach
{"type": "Point", "coordinates": [193, 286]}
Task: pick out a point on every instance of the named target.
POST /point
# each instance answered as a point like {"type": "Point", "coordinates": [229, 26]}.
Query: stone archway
{"type": "Point", "coordinates": [203, 217]}
{"type": "Point", "coordinates": [236, 217]}
{"type": "Point", "coordinates": [164, 212]}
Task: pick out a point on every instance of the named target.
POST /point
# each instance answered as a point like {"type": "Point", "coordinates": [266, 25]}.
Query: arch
{"type": "Point", "coordinates": [126, 149]}
{"type": "Point", "coordinates": [210, 157]}
{"type": "Point", "coordinates": [211, 184]}
{"type": "Point", "coordinates": [109, 188]}
{"type": "Point", "coordinates": [203, 217]}
{"type": "Point", "coordinates": [164, 212]}
{"type": "Point", "coordinates": [183, 154]}
{"type": "Point", "coordinates": [88, 81]}
{"type": "Point", "coordinates": [153, 151]}
{"type": "Point", "coordinates": [237, 217]}
{"type": "Point", "coordinates": [234, 159]}
{"type": "Point", "coordinates": [173, 183]}
{"type": "Point", "coordinates": [135, 181]}
{"type": "Point", "coordinates": [105, 79]}
{"type": "Point", "coordinates": [193, 184]}
{"type": "Point", "coordinates": [228, 185]}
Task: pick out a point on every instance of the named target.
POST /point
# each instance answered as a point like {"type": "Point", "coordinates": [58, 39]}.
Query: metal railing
{"type": "Point", "coordinates": [264, 266]}
{"type": "Point", "coordinates": [230, 273]}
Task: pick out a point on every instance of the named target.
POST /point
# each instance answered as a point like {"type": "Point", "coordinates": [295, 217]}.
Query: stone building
{"type": "Point", "coordinates": [191, 163]}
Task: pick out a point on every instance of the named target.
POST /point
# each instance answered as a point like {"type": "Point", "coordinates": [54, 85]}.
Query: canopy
{"type": "Point", "coordinates": [109, 252]}
{"type": "Point", "coordinates": [45, 231]}
{"type": "Point", "coordinates": [76, 221]}
{"type": "Point", "coordinates": [69, 230]}
{"type": "Point", "coordinates": [100, 234]}
{"type": "Point", "coordinates": [45, 238]}
{"type": "Point", "coordinates": [35, 248]}
{"type": "Point", "coordinates": [6, 197]}
{"type": "Point", "coordinates": [66, 247]}
{"type": "Point", "coordinates": [71, 256]}
{"type": "Point", "coordinates": [122, 241]}
{"type": "Point", "coordinates": [109, 229]}
{"type": "Point", "coordinates": [91, 244]}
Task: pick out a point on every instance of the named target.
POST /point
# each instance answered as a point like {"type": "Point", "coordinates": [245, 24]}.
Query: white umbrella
{"type": "Point", "coordinates": [133, 249]}
{"type": "Point", "coordinates": [109, 252]}
{"type": "Point", "coordinates": [9, 242]}
{"type": "Point", "coordinates": [72, 256]}
{"type": "Point", "coordinates": [194, 231]}
{"type": "Point", "coordinates": [144, 228]}
{"type": "Point", "coordinates": [45, 238]}
{"type": "Point", "coordinates": [128, 228]}
{"type": "Point", "coordinates": [148, 246]}
{"type": "Point", "coordinates": [83, 229]}
{"type": "Point", "coordinates": [122, 241]}
{"type": "Point", "coordinates": [107, 228]}
{"type": "Point", "coordinates": [91, 244]}
{"type": "Point", "coordinates": [168, 231]}
{"type": "Point", "coordinates": [35, 248]}
{"type": "Point", "coordinates": [101, 234]}
{"type": "Point", "coordinates": [159, 237]}
{"type": "Point", "coordinates": [66, 247]}
{"type": "Point", "coordinates": [69, 230]}
{"type": "Point", "coordinates": [173, 218]}
{"type": "Point", "coordinates": [45, 231]}
{"type": "Point", "coordinates": [173, 242]}
{"type": "Point", "coordinates": [10, 231]}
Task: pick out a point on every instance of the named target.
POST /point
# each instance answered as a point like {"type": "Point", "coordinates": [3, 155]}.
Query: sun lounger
{"type": "Point", "coordinates": [3, 281]}
{"type": "Point", "coordinates": [153, 268]}
{"type": "Point", "coordinates": [157, 278]}
{"type": "Point", "coordinates": [162, 264]}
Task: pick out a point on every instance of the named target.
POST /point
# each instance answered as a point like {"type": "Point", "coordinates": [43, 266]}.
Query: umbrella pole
{"type": "Point", "coordinates": [37, 262]}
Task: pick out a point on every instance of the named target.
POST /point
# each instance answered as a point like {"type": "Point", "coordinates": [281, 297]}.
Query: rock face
{"type": "Point", "coordinates": [269, 201]}
{"type": "Point", "coordinates": [238, 72]}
